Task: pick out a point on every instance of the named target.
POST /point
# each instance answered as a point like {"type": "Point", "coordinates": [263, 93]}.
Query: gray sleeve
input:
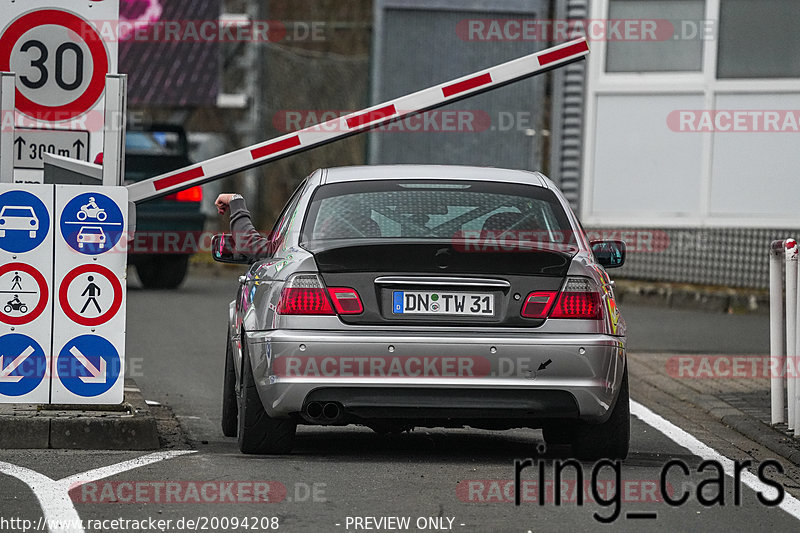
{"type": "Point", "coordinates": [247, 239]}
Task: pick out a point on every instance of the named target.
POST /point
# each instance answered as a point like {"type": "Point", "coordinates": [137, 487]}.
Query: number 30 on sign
{"type": "Point", "coordinates": [60, 59]}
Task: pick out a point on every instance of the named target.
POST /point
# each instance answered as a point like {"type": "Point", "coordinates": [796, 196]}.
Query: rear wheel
{"type": "Point", "coordinates": [258, 432]}
{"type": "Point", "coordinates": [611, 439]}
{"type": "Point", "coordinates": [162, 271]}
{"type": "Point", "coordinates": [230, 411]}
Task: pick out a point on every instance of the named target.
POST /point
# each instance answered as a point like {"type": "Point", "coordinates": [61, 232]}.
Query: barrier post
{"type": "Point", "coordinates": [795, 366]}
{"type": "Point", "coordinates": [791, 327]}
{"type": "Point", "coordinates": [777, 359]}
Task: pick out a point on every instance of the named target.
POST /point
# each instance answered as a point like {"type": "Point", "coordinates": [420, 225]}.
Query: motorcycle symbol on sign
{"type": "Point", "coordinates": [91, 210]}
{"type": "Point", "coordinates": [15, 305]}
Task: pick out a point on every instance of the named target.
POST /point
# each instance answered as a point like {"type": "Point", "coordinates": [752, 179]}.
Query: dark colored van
{"type": "Point", "coordinates": [168, 229]}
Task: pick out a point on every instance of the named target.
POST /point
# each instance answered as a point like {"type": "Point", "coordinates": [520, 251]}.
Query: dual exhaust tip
{"type": "Point", "coordinates": [324, 413]}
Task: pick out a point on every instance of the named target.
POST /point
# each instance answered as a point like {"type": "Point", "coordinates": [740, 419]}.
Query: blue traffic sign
{"type": "Point", "coordinates": [24, 222]}
{"type": "Point", "coordinates": [92, 223]}
{"type": "Point", "coordinates": [88, 365]}
{"type": "Point", "coordinates": [23, 365]}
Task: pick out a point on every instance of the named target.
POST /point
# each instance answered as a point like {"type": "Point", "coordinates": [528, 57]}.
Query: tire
{"type": "Point", "coordinates": [23, 309]}
{"type": "Point", "coordinates": [611, 439]}
{"type": "Point", "coordinates": [101, 216]}
{"type": "Point", "coordinates": [258, 433]}
{"type": "Point", "coordinates": [81, 215]}
{"type": "Point", "coordinates": [8, 309]}
{"type": "Point", "coordinates": [162, 271]}
{"type": "Point", "coordinates": [32, 234]}
{"type": "Point", "coordinates": [230, 410]}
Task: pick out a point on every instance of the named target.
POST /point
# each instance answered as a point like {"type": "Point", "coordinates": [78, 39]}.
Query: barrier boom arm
{"type": "Point", "coordinates": [360, 121]}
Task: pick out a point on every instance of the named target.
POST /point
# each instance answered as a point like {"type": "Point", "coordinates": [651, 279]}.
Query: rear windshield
{"type": "Point", "coordinates": [436, 210]}
{"type": "Point", "coordinates": [164, 143]}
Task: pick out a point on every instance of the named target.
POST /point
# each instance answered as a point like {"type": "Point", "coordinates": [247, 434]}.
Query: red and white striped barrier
{"type": "Point", "coordinates": [784, 349]}
{"type": "Point", "coordinates": [360, 121]}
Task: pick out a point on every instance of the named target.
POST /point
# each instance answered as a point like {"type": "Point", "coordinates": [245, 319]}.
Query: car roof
{"type": "Point", "coordinates": [441, 172]}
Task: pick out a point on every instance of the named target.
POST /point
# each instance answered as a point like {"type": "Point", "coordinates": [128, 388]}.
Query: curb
{"type": "Point", "coordinates": [684, 296]}
{"type": "Point", "coordinates": [130, 426]}
{"type": "Point", "coordinates": [769, 437]}
{"type": "Point", "coordinates": [748, 425]}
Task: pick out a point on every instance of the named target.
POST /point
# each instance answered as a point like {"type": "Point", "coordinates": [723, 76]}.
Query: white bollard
{"type": "Point", "coordinates": [777, 359]}
{"type": "Point", "coordinates": [791, 328]}
{"type": "Point", "coordinates": [795, 376]}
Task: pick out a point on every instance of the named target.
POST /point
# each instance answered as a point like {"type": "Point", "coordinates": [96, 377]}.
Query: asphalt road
{"type": "Point", "coordinates": [439, 479]}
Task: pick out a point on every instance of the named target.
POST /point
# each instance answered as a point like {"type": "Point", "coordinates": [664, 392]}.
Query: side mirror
{"type": "Point", "coordinates": [222, 250]}
{"type": "Point", "coordinates": [610, 254]}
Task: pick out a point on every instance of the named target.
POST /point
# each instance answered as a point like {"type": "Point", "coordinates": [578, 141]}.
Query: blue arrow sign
{"type": "Point", "coordinates": [92, 223]}
{"type": "Point", "coordinates": [88, 365]}
{"type": "Point", "coordinates": [23, 365]}
{"type": "Point", "coordinates": [24, 222]}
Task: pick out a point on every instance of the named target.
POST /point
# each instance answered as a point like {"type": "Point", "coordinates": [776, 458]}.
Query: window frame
{"type": "Point", "coordinates": [600, 83]}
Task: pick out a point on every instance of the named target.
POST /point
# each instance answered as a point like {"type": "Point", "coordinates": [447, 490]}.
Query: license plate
{"type": "Point", "coordinates": [442, 303]}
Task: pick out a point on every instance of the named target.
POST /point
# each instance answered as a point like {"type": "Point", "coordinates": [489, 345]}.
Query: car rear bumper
{"type": "Point", "coordinates": [408, 375]}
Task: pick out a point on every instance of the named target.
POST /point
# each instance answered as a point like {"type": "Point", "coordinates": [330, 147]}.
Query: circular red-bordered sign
{"type": "Point", "coordinates": [116, 304]}
{"type": "Point", "coordinates": [44, 294]}
{"type": "Point", "coordinates": [84, 31]}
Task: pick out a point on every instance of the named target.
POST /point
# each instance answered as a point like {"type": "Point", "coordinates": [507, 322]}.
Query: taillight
{"type": "Point", "coordinates": [579, 299]}
{"type": "Point", "coordinates": [304, 295]}
{"type": "Point", "coordinates": [538, 304]}
{"type": "Point", "coordinates": [346, 301]}
{"type": "Point", "coordinates": [193, 194]}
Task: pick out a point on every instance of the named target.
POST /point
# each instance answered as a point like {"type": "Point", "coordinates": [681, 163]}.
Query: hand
{"type": "Point", "coordinates": [223, 203]}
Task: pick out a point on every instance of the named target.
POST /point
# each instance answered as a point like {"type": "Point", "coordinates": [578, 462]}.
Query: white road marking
{"type": "Point", "coordinates": [682, 438]}
{"type": "Point", "coordinates": [54, 496]}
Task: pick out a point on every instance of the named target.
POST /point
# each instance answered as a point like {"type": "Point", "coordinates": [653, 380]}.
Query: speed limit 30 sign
{"type": "Point", "coordinates": [61, 61]}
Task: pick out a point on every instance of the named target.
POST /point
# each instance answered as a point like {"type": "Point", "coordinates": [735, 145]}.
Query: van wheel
{"type": "Point", "coordinates": [258, 432]}
{"type": "Point", "coordinates": [162, 271]}
{"type": "Point", "coordinates": [611, 439]}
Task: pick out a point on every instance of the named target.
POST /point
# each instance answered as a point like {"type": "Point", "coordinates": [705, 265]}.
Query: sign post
{"type": "Point", "coordinates": [26, 273]}
{"type": "Point", "coordinates": [7, 104]}
{"type": "Point", "coordinates": [61, 61]}
{"type": "Point", "coordinates": [89, 315]}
